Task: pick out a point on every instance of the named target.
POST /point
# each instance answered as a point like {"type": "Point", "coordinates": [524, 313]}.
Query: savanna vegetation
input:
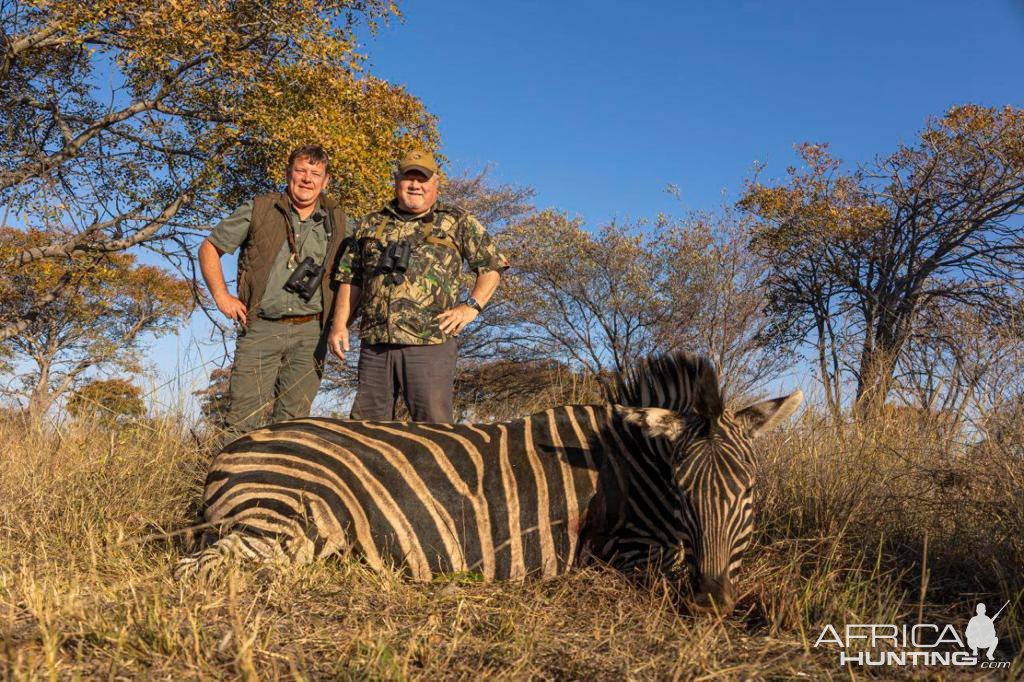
{"type": "Point", "coordinates": [884, 522]}
{"type": "Point", "coordinates": [888, 288]}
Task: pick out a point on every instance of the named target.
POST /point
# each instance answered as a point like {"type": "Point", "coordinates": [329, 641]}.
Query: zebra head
{"type": "Point", "coordinates": [710, 451]}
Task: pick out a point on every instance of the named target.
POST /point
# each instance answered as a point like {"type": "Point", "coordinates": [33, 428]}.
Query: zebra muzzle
{"type": "Point", "coordinates": [715, 596]}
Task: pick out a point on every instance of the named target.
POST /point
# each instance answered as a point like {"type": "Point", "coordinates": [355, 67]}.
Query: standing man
{"type": "Point", "coordinates": [405, 268]}
{"type": "Point", "coordinates": [289, 244]}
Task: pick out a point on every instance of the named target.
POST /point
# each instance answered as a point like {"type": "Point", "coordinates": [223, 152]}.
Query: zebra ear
{"type": "Point", "coordinates": [707, 396]}
{"type": "Point", "coordinates": [760, 417]}
{"type": "Point", "coordinates": [654, 422]}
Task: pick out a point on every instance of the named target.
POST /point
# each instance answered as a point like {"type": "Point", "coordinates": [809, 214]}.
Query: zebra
{"type": "Point", "coordinates": [662, 471]}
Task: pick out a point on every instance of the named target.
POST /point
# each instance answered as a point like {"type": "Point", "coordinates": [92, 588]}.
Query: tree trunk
{"type": "Point", "coordinates": [876, 370]}
{"type": "Point", "coordinates": [829, 380]}
{"type": "Point", "coordinates": [882, 349]}
{"type": "Point", "coordinates": [41, 400]}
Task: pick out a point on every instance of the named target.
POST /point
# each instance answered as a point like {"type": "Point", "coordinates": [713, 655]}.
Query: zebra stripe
{"type": "Point", "coordinates": [663, 472]}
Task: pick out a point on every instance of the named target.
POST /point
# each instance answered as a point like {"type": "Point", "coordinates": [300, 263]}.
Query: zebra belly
{"type": "Point", "coordinates": [503, 500]}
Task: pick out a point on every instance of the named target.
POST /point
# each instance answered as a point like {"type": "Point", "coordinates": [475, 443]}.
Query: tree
{"type": "Point", "coordinates": [600, 300]}
{"type": "Point", "coordinates": [111, 304]}
{"type": "Point", "coordinates": [215, 399]}
{"type": "Point", "coordinates": [856, 256]}
{"type": "Point", "coordinates": [588, 299]}
{"type": "Point", "coordinates": [718, 292]}
{"type": "Point", "coordinates": [495, 205]}
{"type": "Point", "coordinates": [960, 361]}
{"type": "Point", "coordinates": [140, 123]}
{"type": "Point", "coordinates": [108, 401]}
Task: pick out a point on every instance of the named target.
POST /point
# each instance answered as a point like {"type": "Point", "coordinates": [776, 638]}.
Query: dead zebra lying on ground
{"type": "Point", "coordinates": [662, 471]}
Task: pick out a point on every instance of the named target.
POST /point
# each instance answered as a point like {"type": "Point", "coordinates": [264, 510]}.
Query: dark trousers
{"type": "Point", "coordinates": [423, 375]}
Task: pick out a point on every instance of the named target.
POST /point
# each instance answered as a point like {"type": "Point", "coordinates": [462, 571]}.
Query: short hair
{"type": "Point", "coordinates": [314, 153]}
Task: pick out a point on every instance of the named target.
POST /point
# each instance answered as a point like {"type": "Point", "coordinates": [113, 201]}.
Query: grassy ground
{"type": "Point", "coordinates": [887, 524]}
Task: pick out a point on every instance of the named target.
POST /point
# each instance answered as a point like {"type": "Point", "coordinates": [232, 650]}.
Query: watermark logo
{"type": "Point", "coordinates": [981, 632]}
{"type": "Point", "coordinates": [927, 644]}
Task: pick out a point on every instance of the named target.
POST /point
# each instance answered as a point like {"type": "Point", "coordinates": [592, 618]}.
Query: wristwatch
{"type": "Point", "coordinates": [473, 303]}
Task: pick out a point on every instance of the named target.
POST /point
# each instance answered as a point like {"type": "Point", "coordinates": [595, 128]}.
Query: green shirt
{"type": "Point", "coordinates": [310, 240]}
{"type": "Point", "coordinates": [406, 312]}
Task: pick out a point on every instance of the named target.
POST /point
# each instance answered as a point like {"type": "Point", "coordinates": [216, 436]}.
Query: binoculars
{"type": "Point", "coordinates": [394, 260]}
{"type": "Point", "coordinates": [305, 279]}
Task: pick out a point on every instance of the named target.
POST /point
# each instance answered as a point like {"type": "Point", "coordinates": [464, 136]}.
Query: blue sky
{"type": "Point", "coordinates": [599, 106]}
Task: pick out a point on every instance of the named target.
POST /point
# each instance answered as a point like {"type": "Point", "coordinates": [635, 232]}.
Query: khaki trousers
{"type": "Point", "coordinates": [277, 366]}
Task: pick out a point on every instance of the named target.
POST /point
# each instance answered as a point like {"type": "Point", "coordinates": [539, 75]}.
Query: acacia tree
{"type": "Point", "coordinates": [139, 123]}
{"type": "Point", "coordinates": [110, 306]}
{"type": "Point", "coordinates": [961, 362]}
{"type": "Point", "coordinates": [857, 255]}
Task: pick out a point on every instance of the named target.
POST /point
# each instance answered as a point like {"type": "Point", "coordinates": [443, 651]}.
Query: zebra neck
{"type": "Point", "coordinates": [635, 507]}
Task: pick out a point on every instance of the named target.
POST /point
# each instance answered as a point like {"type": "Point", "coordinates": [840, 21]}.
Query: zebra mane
{"type": "Point", "coordinates": [676, 381]}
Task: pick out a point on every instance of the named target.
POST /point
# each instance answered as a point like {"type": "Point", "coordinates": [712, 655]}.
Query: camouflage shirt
{"type": "Point", "coordinates": [440, 240]}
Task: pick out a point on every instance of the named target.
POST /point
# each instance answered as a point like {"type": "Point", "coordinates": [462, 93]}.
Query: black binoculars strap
{"type": "Point", "coordinates": [328, 227]}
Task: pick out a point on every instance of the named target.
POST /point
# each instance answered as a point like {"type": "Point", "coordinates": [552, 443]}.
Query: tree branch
{"type": "Point", "coordinates": [38, 307]}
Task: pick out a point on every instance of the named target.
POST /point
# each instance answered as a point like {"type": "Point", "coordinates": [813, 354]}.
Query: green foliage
{"type": "Point", "coordinates": [238, 84]}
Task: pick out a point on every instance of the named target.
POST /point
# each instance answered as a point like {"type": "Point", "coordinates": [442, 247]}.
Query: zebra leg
{"type": "Point", "coordinates": [292, 544]}
{"type": "Point", "coordinates": [235, 547]}
{"type": "Point", "coordinates": [274, 541]}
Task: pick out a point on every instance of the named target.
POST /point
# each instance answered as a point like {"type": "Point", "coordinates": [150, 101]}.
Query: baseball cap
{"type": "Point", "coordinates": [417, 159]}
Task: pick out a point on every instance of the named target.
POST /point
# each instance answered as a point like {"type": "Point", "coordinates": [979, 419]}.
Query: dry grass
{"type": "Point", "coordinates": [844, 518]}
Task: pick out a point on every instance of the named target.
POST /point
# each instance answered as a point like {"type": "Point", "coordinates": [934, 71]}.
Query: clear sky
{"type": "Point", "coordinates": [600, 105]}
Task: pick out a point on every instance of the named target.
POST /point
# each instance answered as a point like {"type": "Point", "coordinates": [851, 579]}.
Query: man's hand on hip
{"type": "Point", "coordinates": [455, 319]}
{"type": "Point", "coordinates": [337, 342]}
{"type": "Point", "coordinates": [232, 308]}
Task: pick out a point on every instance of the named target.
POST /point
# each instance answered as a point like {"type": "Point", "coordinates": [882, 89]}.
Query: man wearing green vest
{"type": "Point", "coordinates": [289, 243]}
{"type": "Point", "coordinates": [404, 271]}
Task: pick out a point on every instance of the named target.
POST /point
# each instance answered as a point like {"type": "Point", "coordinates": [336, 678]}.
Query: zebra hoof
{"type": "Point", "coordinates": [202, 567]}
{"type": "Point", "coordinates": [185, 570]}
{"type": "Point", "coordinates": [267, 573]}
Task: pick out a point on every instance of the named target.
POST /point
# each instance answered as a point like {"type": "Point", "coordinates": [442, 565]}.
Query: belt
{"type": "Point", "coordinates": [297, 319]}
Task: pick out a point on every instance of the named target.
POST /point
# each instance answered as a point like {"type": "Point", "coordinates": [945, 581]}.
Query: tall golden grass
{"type": "Point", "coordinates": [888, 522]}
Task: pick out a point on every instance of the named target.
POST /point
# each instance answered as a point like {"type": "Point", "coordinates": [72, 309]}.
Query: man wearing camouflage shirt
{"type": "Point", "coordinates": [404, 268]}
